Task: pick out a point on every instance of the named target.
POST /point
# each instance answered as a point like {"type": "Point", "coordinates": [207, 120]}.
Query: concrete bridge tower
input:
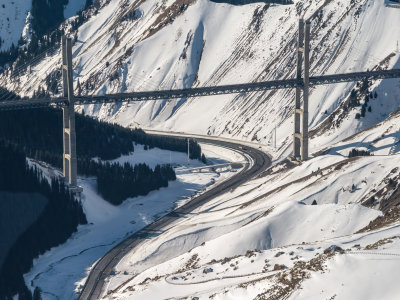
{"type": "Point", "coordinates": [69, 137]}
{"type": "Point", "coordinates": [300, 134]}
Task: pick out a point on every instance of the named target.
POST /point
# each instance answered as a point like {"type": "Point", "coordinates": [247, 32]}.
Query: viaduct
{"type": "Point", "coordinates": [302, 82]}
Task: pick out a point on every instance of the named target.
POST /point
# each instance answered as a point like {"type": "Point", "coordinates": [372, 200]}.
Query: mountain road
{"type": "Point", "coordinates": [258, 162]}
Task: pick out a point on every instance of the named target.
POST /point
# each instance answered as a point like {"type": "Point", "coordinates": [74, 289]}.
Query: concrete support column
{"type": "Point", "coordinates": [69, 137]}
{"type": "Point", "coordinates": [306, 81]}
{"type": "Point", "coordinates": [297, 137]}
{"type": "Point", "coordinates": [300, 133]}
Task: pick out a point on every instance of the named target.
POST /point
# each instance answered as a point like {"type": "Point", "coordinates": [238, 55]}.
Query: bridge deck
{"type": "Point", "coordinates": [200, 91]}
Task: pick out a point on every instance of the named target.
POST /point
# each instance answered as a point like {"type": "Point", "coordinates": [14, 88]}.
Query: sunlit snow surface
{"type": "Point", "coordinates": [12, 21]}
{"type": "Point", "coordinates": [178, 262]}
{"type": "Point", "coordinates": [59, 270]}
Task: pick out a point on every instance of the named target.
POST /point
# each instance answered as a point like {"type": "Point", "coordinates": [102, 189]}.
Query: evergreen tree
{"type": "Point", "coordinates": [47, 14]}
{"type": "Point", "coordinates": [57, 222]}
{"type": "Point", "coordinates": [37, 294]}
{"type": "Point", "coordinates": [363, 111]}
{"type": "Point", "coordinates": [88, 3]}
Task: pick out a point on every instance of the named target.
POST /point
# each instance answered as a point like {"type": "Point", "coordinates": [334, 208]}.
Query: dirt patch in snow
{"type": "Point", "coordinates": [192, 263]}
{"type": "Point", "coordinates": [385, 198]}
{"type": "Point", "coordinates": [390, 217]}
{"type": "Point", "coordinates": [168, 16]}
{"type": "Point", "coordinates": [380, 243]}
{"type": "Point", "coordinates": [286, 282]}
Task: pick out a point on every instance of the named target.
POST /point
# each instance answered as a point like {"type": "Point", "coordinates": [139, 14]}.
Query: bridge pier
{"type": "Point", "coordinates": [300, 133]}
{"type": "Point", "coordinates": [69, 137]}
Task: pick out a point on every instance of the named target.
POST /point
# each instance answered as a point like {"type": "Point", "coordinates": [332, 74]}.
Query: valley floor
{"type": "Point", "coordinates": [61, 271]}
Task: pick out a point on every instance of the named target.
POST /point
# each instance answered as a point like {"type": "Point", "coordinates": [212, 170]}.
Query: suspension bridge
{"type": "Point", "coordinates": [302, 82]}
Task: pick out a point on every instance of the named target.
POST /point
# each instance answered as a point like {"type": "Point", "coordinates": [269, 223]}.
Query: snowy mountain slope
{"type": "Point", "coordinates": [365, 270]}
{"type": "Point", "coordinates": [379, 138]}
{"type": "Point", "coordinates": [144, 45]}
{"type": "Point", "coordinates": [197, 255]}
{"type": "Point", "coordinates": [15, 19]}
{"type": "Point", "coordinates": [13, 15]}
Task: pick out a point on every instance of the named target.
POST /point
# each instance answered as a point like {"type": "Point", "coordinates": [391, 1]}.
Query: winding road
{"type": "Point", "coordinates": [258, 162]}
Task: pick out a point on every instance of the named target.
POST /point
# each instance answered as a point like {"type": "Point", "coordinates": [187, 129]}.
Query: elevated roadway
{"type": "Point", "coordinates": [197, 92]}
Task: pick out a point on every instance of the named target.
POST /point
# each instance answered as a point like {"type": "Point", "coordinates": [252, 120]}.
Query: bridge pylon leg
{"type": "Point", "coordinates": [69, 137]}
{"type": "Point", "coordinates": [297, 137]}
{"type": "Point", "coordinates": [300, 133]}
{"type": "Point", "coordinates": [306, 85]}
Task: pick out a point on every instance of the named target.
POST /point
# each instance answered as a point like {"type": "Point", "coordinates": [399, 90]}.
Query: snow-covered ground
{"type": "Point", "coordinates": [157, 156]}
{"type": "Point", "coordinates": [363, 271]}
{"type": "Point", "coordinates": [15, 19]}
{"type": "Point", "coordinates": [12, 21]}
{"type": "Point", "coordinates": [207, 253]}
{"type": "Point", "coordinates": [59, 271]}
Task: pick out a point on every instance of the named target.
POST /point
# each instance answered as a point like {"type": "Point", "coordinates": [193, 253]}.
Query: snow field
{"type": "Point", "coordinates": [233, 224]}
{"type": "Point", "coordinates": [345, 274]}
{"type": "Point", "coordinates": [15, 19]}
{"type": "Point", "coordinates": [12, 21]}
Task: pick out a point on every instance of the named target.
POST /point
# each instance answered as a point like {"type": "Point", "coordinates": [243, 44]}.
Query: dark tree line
{"type": "Point", "coordinates": [39, 132]}
{"type": "Point", "coordinates": [59, 219]}
{"type": "Point", "coordinates": [356, 152]}
{"type": "Point", "coordinates": [20, 54]}
{"type": "Point", "coordinates": [7, 95]}
{"type": "Point", "coordinates": [8, 56]}
{"type": "Point", "coordinates": [115, 183]}
{"type": "Point", "coordinates": [168, 143]}
{"type": "Point", "coordinates": [361, 92]}
{"type": "Point", "coordinates": [47, 14]}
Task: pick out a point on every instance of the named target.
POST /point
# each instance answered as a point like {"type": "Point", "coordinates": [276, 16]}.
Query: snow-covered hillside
{"type": "Point", "coordinates": [266, 240]}
{"type": "Point", "coordinates": [144, 45]}
{"type": "Point", "coordinates": [15, 19]}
